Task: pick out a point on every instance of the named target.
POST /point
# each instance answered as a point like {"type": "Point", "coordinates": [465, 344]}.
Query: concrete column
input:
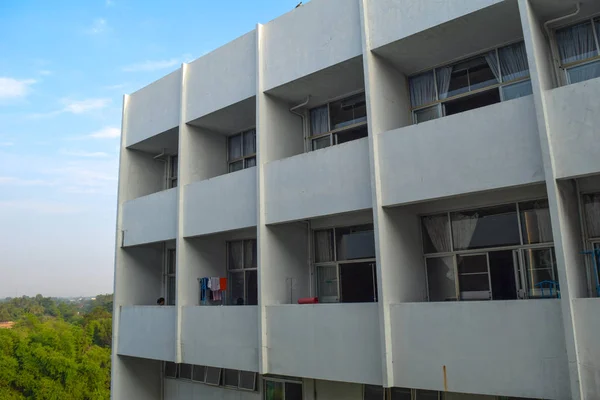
{"type": "Point", "coordinates": [562, 195]}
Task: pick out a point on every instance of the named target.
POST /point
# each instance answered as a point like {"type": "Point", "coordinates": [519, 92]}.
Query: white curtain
{"type": "Point", "coordinates": [422, 89]}
{"type": "Point", "coordinates": [592, 214]}
{"type": "Point", "coordinates": [319, 120]}
{"type": "Point", "coordinates": [443, 76]}
{"type": "Point", "coordinates": [576, 43]}
{"type": "Point", "coordinates": [463, 227]}
{"type": "Point", "coordinates": [492, 61]}
{"type": "Point", "coordinates": [513, 62]}
{"type": "Point", "coordinates": [323, 246]}
{"type": "Point", "coordinates": [544, 224]}
{"type": "Point", "coordinates": [437, 229]}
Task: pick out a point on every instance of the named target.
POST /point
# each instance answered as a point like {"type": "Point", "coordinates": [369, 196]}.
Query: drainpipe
{"type": "Point", "coordinates": [555, 57]}
{"type": "Point", "coordinates": [301, 115]}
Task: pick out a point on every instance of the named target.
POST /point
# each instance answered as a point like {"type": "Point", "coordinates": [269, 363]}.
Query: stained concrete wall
{"type": "Point", "coordinates": [221, 336]}
{"type": "Point", "coordinates": [154, 108]}
{"type": "Point", "coordinates": [587, 321]}
{"type": "Point", "coordinates": [343, 340]}
{"type": "Point", "coordinates": [151, 218]}
{"type": "Point", "coordinates": [323, 182]}
{"type": "Point", "coordinates": [441, 158]}
{"type": "Point", "coordinates": [148, 332]}
{"type": "Point", "coordinates": [221, 204]}
{"type": "Point", "coordinates": [510, 348]}
{"type": "Point", "coordinates": [143, 175]}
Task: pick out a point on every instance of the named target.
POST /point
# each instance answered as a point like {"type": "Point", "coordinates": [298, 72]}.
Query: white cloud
{"type": "Point", "coordinates": [6, 144]}
{"type": "Point", "coordinates": [77, 107]}
{"type": "Point", "coordinates": [45, 72]}
{"type": "Point", "coordinates": [109, 132]}
{"type": "Point", "coordinates": [152, 65]}
{"type": "Point", "coordinates": [83, 153]}
{"type": "Point", "coordinates": [14, 88]}
{"type": "Point", "coordinates": [98, 26]}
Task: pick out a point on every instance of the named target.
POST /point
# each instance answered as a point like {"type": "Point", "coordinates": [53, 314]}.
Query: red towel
{"type": "Point", "coordinates": [223, 283]}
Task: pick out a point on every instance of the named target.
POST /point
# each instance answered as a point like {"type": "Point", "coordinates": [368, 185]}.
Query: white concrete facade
{"type": "Point", "coordinates": [192, 187]}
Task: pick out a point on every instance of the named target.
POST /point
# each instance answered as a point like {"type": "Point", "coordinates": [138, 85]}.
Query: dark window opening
{"type": "Point", "coordinates": [358, 283]}
{"type": "Point", "coordinates": [472, 102]}
{"type": "Point", "coordinates": [502, 274]}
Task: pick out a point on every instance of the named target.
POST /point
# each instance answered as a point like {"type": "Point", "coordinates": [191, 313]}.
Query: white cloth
{"type": "Point", "coordinates": [214, 283]}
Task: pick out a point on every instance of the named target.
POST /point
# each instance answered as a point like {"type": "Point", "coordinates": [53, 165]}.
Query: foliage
{"type": "Point", "coordinates": [57, 350]}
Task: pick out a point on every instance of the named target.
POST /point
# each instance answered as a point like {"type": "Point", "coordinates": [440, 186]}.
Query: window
{"type": "Point", "coordinates": [282, 390]}
{"type": "Point", "coordinates": [371, 392]}
{"type": "Point", "coordinates": [244, 380]}
{"type": "Point", "coordinates": [231, 378]}
{"type": "Point", "coordinates": [172, 172]}
{"type": "Point", "coordinates": [400, 394]}
{"type": "Point", "coordinates": [345, 264]}
{"type": "Point", "coordinates": [241, 150]}
{"type": "Point", "coordinates": [242, 267]}
{"type": "Point", "coordinates": [591, 211]}
{"type": "Point", "coordinates": [579, 50]}
{"type": "Point", "coordinates": [170, 369]}
{"type": "Point", "coordinates": [199, 373]}
{"type": "Point", "coordinates": [185, 371]}
{"type": "Point", "coordinates": [496, 253]}
{"type": "Point", "coordinates": [247, 380]}
{"type": "Point", "coordinates": [498, 75]}
{"type": "Point", "coordinates": [170, 277]}
{"type": "Point", "coordinates": [338, 122]}
{"type": "Point", "coordinates": [213, 376]}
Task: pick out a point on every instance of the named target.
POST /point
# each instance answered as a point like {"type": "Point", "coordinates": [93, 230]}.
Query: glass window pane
{"type": "Point", "coordinates": [473, 277]}
{"type": "Point", "coordinates": [490, 227]}
{"type": "Point", "coordinates": [513, 62]}
{"type": "Point", "coordinates": [483, 71]}
{"type": "Point", "coordinates": [436, 233]}
{"type": "Point", "coordinates": [273, 390]}
{"type": "Point", "coordinates": [349, 111]}
{"type": "Point", "coordinates": [355, 242]}
{"type": "Point", "coordinates": [173, 167]}
{"type": "Point", "coordinates": [591, 211]}
{"type": "Point", "coordinates": [185, 371]}
{"type": "Point", "coordinates": [249, 142]}
{"type": "Point", "coordinates": [516, 90]}
{"type": "Point", "coordinates": [236, 254]}
{"type": "Point", "coordinates": [459, 81]}
{"type": "Point", "coordinates": [319, 120]}
{"type": "Point", "coordinates": [576, 43]}
{"type": "Point", "coordinates": [213, 376]}
{"type": "Point", "coordinates": [250, 260]}
{"type": "Point", "coordinates": [171, 288]}
{"type": "Point", "coordinates": [357, 283]}
{"type": "Point", "coordinates": [231, 377]}
{"type": "Point", "coordinates": [421, 394]}
{"type": "Point", "coordinates": [427, 114]}
{"type": "Point", "coordinates": [324, 245]}
{"type": "Point", "coordinates": [293, 391]}
{"type": "Point", "coordinates": [251, 288]}
{"type": "Point", "coordinates": [236, 166]}
{"type": "Point", "coordinates": [171, 261]}
{"type": "Point", "coordinates": [440, 279]}
{"type": "Point", "coordinates": [400, 394]}
{"type": "Point", "coordinates": [351, 134]}
{"type": "Point", "coordinates": [250, 162]}
{"type": "Point", "coordinates": [247, 380]}
{"type": "Point", "coordinates": [321, 142]}
{"type": "Point", "coordinates": [472, 264]}
{"type": "Point", "coordinates": [170, 369]}
{"type": "Point", "coordinates": [535, 222]}
{"type": "Point", "coordinates": [584, 72]}
{"type": "Point", "coordinates": [540, 272]}
{"type": "Point", "coordinates": [234, 147]}
{"type": "Point", "coordinates": [198, 373]}
{"type": "Point", "coordinates": [236, 287]}
{"type": "Point", "coordinates": [422, 89]}
{"type": "Point", "coordinates": [372, 392]}
{"type": "Point", "coordinates": [327, 284]}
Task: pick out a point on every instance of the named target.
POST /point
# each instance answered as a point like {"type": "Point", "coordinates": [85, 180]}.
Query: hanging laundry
{"type": "Point", "coordinates": [215, 288]}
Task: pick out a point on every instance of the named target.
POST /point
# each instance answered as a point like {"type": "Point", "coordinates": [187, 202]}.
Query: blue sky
{"type": "Point", "coordinates": [64, 66]}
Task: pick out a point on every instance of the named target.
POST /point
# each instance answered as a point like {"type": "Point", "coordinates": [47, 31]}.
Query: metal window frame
{"type": "Point", "coordinates": [166, 274]}
{"type": "Point", "coordinates": [220, 376]}
{"type": "Point", "coordinates": [203, 376]}
{"type": "Point", "coordinates": [164, 370]}
{"type": "Point", "coordinates": [238, 378]}
{"type": "Point", "coordinates": [280, 380]}
{"type": "Point", "coordinates": [191, 372]}
{"type": "Point", "coordinates": [563, 69]}
{"type": "Point", "coordinates": [239, 270]}
{"type": "Point", "coordinates": [253, 385]}
{"type": "Point", "coordinates": [171, 177]}
{"type": "Point", "coordinates": [244, 157]}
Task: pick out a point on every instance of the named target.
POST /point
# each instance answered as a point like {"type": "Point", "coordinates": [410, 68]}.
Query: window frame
{"type": "Point", "coordinates": [338, 263]}
{"type": "Point", "coordinates": [172, 171]}
{"type": "Point", "coordinates": [241, 270]}
{"type": "Point", "coordinates": [518, 251]}
{"type": "Point", "coordinates": [280, 380]}
{"type": "Point", "coordinates": [563, 69]}
{"type": "Point", "coordinates": [332, 133]}
{"type": "Point", "coordinates": [439, 103]}
{"type": "Point", "coordinates": [170, 275]}
{"type": "Point", "coordinates": [387, 393]}
{"type": "Point", "coordinates": [244, 157]}
{"type": "Point", "coordinates": [164, 370]}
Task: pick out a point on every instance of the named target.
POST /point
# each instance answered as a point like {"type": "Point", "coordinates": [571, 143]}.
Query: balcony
{"type": "Point", "coordinates": [292, 50]}
{"type": "Point", "coordinates": [147, 332]}
{"type": "Point", "coordinates": [574, 116]}
{"type": "Point", "coordinates": [343, 340]}
{"type": "Point", "coordinates": [220, 204]}
{"type": "Point", "coordinates": [232, 72]}
{"type": "Point", "coordinates": [483, 149]}
{"type": "Point", "coordinates": [587, 325]}
{"type": "Point", "coordinates": [153, 109]}
{"type": "Point", "coordinates": [510, 348]}
{"type": "Point", "coordinates": [328, 181]}
{"type": "Point", "coordinates": [151, 218]}
{"type": "Point", "coordinates": [221, 336]}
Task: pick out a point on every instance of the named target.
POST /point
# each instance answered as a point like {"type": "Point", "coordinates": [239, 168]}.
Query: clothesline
{"type": "Point", "coordinates": [212, 288]}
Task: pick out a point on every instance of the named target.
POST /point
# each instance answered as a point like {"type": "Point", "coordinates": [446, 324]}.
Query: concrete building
{"type": "Point", "coordinates": [429, 170]}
